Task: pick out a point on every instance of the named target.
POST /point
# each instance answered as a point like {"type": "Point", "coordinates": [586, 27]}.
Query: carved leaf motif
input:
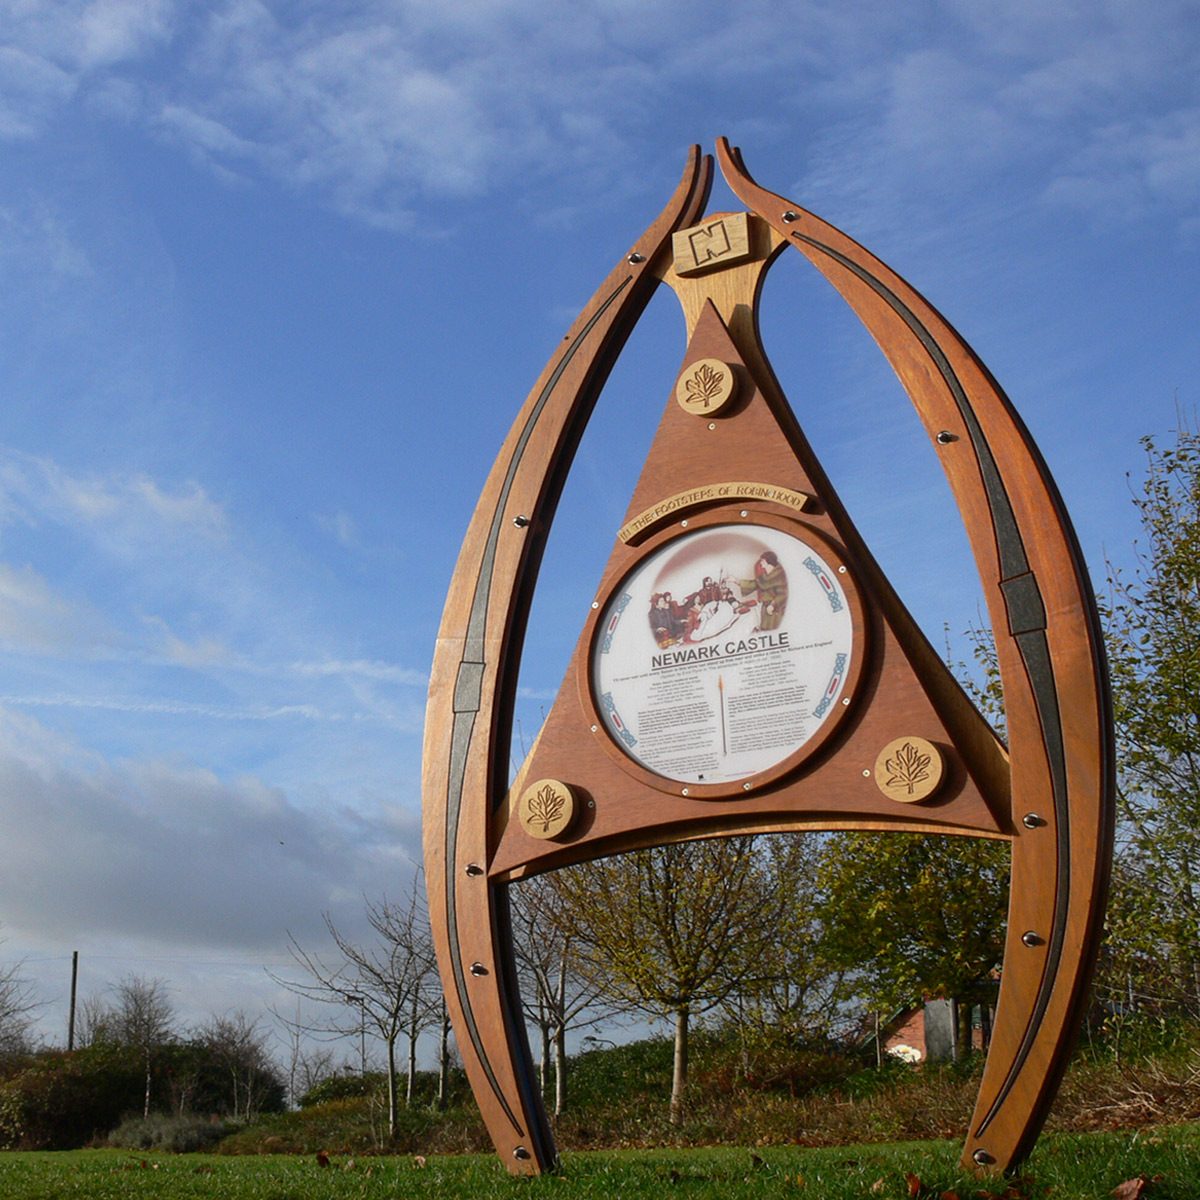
{"type": "Point", "coordinates": [908, 768]}
{"type": "Point", "coordinates": [705, 385]}
{"type": "Point", "coordinates": [546, 807]}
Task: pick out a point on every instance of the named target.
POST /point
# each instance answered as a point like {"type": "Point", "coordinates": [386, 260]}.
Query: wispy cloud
{"type": "Point", "coordinates": [384, 107]}
{"type": "Point", "coordinates": [119, 511]}
{"type": "Point", "coordinates": [34, 617]}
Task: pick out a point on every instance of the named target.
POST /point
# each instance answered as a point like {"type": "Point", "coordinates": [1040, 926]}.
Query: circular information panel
{"type": "Point", "coordinates": [722, 653]}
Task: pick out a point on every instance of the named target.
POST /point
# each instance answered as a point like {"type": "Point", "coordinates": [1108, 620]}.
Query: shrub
{"type": "Point", "coordinates": [63, 1101]}
{"type": "Point", "coordinates": [175, 1135]}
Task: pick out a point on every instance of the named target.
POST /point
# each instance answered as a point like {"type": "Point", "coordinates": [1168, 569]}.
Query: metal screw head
{"type": "Point", "coordinates": [685, 792]}
{"type": "Point", "coordinates": [637, 258]}
{"type": "Point", "coordinates": [745, 513]}
{"type": "Point", "coordinates": [789, 216]}
{"type": "Point", "coordinates": [745, 787]}
{"type": "Point", "coordinates": [867, 773]}
{"type": "Point", "coordinates": [683, 524]}
{"type": "Point", "coordinates": [474, 869]}
{"type": "Point", "coordinates": [946, 437]}
{"type": "Point", "coordinates": [983, 1158]}
{"type": "Point", "coordinates": [1032, 821]}
{"type": "Point", "coordinates": [595, 603]}
{"type": "Point", "coordinates": [712, 424]}
{"type": "Point", "coordinates": [521, 1153]}
{"type": "Point", "coordinates": [478, 969]}
{"type": "Point", "coordinates": [1030, 939]}
{"type": "Point", "coordinates": [845, 699]}
{"type": "Point", "coordinates": [520, 520]}
{"type": "Point", "coordinates": [841, 570]}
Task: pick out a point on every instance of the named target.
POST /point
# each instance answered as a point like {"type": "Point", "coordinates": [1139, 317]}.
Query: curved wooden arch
{"type": "Point", "coordinates": [469, 714]}
{"type": "Point", "coordinates": [1059, 789]}
{"type": "Point", "coordinates": [1052, 665]}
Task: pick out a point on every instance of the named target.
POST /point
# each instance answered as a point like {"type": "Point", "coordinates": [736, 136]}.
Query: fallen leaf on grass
{"type": "Point", "coordinates": [877, 1186]}
{"type": "Point", "coordinates": [1132, 1189]}
{"type": "Point", "coordinates": [322, 1159]}
{"type": "Point", "coordinates": [419, 1161]}
{"type": "Point", "coordinates": [914, 1184]}
{"type": "Point", "coordinates": [349, 1165]}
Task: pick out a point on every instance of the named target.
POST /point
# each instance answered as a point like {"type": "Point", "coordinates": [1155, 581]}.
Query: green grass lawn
{"type": "Point", "coordinates": [1064, 1167]}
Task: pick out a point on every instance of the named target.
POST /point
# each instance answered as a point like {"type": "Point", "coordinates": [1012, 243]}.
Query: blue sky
{"type": "Point", "coordinates": [275, 278]}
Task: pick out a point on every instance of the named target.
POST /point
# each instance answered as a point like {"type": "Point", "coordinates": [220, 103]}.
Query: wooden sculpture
{"type": "Point", "coordinates": [795, 691]}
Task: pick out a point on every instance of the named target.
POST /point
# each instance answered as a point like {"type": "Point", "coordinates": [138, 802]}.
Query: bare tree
{"type": "Point", "coordinates": [18, 1002]}
{"type": "Point", "coordinates": [307, 1065]}
{"type": "Point", "coordinates": [555, 991]}
{"type": "Point", "coordinates": [144, 1017]}
{"type": "Point", "coordinates": [387, 984]}
{"type": "Point", "coordinates": [239, 1047]}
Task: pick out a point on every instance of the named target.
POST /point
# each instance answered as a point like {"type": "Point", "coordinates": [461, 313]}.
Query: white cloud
{"type": "Point", "coordinates": [120, 511]}
{"type": "Point", "coordinates": [382, 672]}
{"type": "Point", "coordinates": [170, 852]}
{"type": "Point", "coordinates": [342, 526]}
{"type": "Point", "coordinates": [33, 617]}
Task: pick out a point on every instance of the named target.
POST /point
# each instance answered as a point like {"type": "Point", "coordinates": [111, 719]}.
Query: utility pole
{"type": "Point", "coordinates": [71, 1018]}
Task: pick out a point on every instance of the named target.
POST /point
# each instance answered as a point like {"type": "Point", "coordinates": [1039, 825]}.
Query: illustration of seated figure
{"type": "Point", "coordinates": [665, 622]}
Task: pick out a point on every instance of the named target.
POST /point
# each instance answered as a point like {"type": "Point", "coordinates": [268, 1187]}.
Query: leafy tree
{"type": "Point", "coordinates": [1153, 618]}
{"type": "Point", "coordinates": [672, 931]}
{"type": "Point", "coordinates": [916, 915]}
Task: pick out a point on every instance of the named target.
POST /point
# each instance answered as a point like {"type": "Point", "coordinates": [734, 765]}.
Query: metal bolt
{"type": "Point", "coordinates": [520, 520]}
{"type": "Point", "coordinates": [789, 216]}
{"type": "Point", "coordinates": [683, 524]}
{"type": "Point", "coordinates": [745, 787]}
{"type": "Point", "coordinates": [521, 1153]}
{"type": "Point", "coordinates": [474, 869]}
{"type": "Point", "coordinates": [841, 570]}
{"type": "Point", "coordinates": [745, 513]}
{"type": "Point", "coordinates": [983, 1158]}
{"type": "Point", "coordinates": [595, 727]}
{"type": "Point", "coordinates": [1030, 939]}
{"type": "Point", "coordinates": [946, 437]}
{"type": "Point", "coordinates": [845, 699]}
{"type": "Point", "coordinates": [478, 969]}
{"type": "Point", "coordinates": [595, 603]}
{"type": "Point", "coordinates": [1032, 821]}
{"type": "Point", "coordinates": [685, 792]}
{"type": "Point", "coordinates": [867, 773]}
{"type": "Point", "coordinates": [591, 804]}
{"type": "Point", "coordinates": [712, 424]}
{"type": "Point", "coordinates": [635, 257]}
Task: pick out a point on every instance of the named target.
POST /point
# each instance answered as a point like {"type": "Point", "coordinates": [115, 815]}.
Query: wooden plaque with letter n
{"type": "Point", "coordinates": [745, 666]}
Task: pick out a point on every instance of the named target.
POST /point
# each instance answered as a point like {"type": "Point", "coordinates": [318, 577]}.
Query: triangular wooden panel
{"type": "Point", "coordinates": [693, 475]}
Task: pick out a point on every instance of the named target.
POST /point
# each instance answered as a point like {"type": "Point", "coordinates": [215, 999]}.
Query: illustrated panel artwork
{"type": "Point", "coordinates": [723, 653]}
